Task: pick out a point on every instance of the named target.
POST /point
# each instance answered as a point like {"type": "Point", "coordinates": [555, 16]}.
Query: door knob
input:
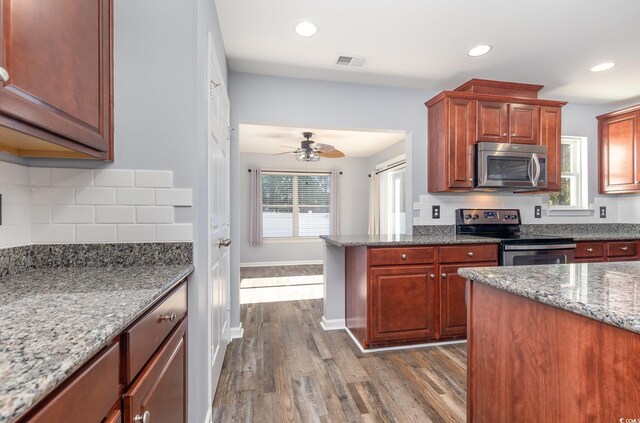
{"type": "Point", "coordinates": [170, 317]}
{"type": "Point", "coordinates": [504, 135]}
{"type": "Point", "coordinates": [624, 248]}
{"type": "Point", "coordinates": [589, 250]}
{"type": "Point", "coordinates": [145, 418]}
{"type": "Point", "coordinates": [513, 135]}
{"type": "Point", "coordinates": [222, 242]}
{"type": "Point", "coordinates": [404, 256]}
{"type": "Point", "coordinates": [470, 253]}
{"type": "Point", "coordinates": [444, 275]}
{"type": "Point", "coordinates": [4, 75]}
{"type": "Point", "coordinates": [432, 276]}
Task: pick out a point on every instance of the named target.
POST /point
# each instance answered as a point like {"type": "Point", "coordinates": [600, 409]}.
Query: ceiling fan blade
{"type": "Point", "coordinates": [286, 152]}
{"type": "Point", "coordinates": [335, 154]}
{"type": "Point", "coordinates": [325, 148]}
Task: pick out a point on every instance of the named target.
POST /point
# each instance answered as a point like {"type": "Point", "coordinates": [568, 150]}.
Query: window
{"type": "Point", "coordinates": [295, 205]}
{"type": "Point", "coordinates": [392, 198]}
{"type": "Point", "coordinates": [573, 191]}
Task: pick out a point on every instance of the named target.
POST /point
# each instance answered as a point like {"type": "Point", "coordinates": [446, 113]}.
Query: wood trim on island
{"type": "Point", "coordinates": [529, 361]}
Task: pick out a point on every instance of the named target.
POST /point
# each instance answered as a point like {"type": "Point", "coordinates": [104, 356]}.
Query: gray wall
{"type": "Point", "coordinates": [354, 206]}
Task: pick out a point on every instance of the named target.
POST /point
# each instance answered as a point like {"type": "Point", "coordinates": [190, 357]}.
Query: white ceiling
{"type": "Point", "coordinates": [424, 43]}
{"type": "Point", "coordinates": [278, 139]}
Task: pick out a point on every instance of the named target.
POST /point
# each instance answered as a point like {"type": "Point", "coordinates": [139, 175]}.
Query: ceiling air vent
{"type": "Point", "coordinates": [352, 61]}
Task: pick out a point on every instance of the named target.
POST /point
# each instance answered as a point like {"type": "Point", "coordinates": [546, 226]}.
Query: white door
{"type": "Point", "coordinates": [219, 215]}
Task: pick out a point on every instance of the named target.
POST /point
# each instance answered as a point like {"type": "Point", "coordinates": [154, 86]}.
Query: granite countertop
{"type": "Point", "coordinates": [599, 236]}
{"type": "Point", "coordinates": [608, 292]}
{"type": "Point", "coordinates": [54, 320]}
{"type": "Point", "coordinates": [400, 240]}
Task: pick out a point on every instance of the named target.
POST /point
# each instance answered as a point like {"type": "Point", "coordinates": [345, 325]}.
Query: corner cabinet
{"type": "Point", "coordinates": [619, 148]}
{"type": "Point", "coordinates": [409, 295]}
{"type": "Point", "coordinates": [56, 78]}
{"type": "Point", "coordinates": [492, 111]}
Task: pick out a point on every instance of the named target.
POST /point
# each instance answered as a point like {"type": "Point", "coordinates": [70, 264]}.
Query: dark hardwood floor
{"type": "Point", "coordinates": [288, 369]}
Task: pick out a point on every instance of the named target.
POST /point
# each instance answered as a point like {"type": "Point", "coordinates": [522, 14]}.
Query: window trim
{"type": "Point", "coordinates": [295, 207]}
{"type": "Point", "coordinates": [580, 167]}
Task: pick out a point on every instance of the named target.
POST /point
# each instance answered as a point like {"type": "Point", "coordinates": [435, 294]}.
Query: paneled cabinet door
{"type": "Point", "coordinates": [403, 302]}
{"type": "Point", "coordinates": [462, 137]}
{"type": "Point", "coordinates": [551, 137]}
{"type": "Point", "coordinates": [493, 121]}
{"type": "Point", "coordinates": [160, 389]}
{"type": "Point", "coordinates": [57, 55]}
{"type": "Point", "coordinates": [620, 153]}
{"type": "Point", "coordinates": [453, 307]}
{"type": "Point", "coordinates": [524, 120]}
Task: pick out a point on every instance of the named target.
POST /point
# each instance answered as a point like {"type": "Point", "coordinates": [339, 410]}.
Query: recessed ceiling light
{"type": "Point", "coordinates": [479, 50]}
{"type": "Point", "coordinates": [306, 29]}
{"type": "Point", "coordinates": [603, 67]}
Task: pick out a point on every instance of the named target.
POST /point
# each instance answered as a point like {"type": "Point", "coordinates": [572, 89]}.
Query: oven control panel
{"type": "Point", "coordinates": [488, 217]}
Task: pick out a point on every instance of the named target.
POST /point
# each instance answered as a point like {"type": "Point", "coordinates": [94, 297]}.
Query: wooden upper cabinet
{"type": "Point", "coordinates": [493, 121]}
{"type": "Point", "coordinates": [550, 136]}
{"type": "Point", "coordinates": [524, 120]}
{"type": "Point", "coordinates": [59, 87]}
{"type": "Point", "coordinates": [619, 144]}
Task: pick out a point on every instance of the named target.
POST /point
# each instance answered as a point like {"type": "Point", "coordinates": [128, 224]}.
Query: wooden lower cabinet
{"type": "Point", "coordinates": [160, 389]}
{"type": "Point", "coordinates": [390, 303]}
{"type": "Point", "coordinates": [403, 302]}
{"type": "Point", "coordinates": [606, 251]}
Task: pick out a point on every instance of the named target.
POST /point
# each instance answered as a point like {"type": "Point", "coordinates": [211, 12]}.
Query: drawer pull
{"type": "Point", "coordinates": [432, 276]}
{"type": "Point", "coordinates": [444, 275]}
{"type": "Point", "coordinates": [145, 418]}
{"type": "Point", "coordinates": [4, 75]}
{"type": "Point", "coordinates": [624, 248]}
{"type": "Point", "coordinates": [470, 253]}
{"type": "Point", "coordinates": [170, 317]}
{"type": "Point", "coordinates": [404, 256]}
{"type": "Point", "coordinates": [589, 250]}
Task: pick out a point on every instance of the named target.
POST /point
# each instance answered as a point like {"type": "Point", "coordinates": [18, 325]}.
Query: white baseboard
{"type": "Point", "coordinates": [237, 332]}
{"type": "Point", "coordinates": [280, 263]}
{"type": "Point", "coordinates": [209, 416]}
{"type": "Point", "coordinates": [333, 324]}
{"type": "Point", "coordinates": [403, 347]}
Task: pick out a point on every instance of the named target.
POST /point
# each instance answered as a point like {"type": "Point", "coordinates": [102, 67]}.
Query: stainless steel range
{"type": "Point", "coordinates": [516, 249]}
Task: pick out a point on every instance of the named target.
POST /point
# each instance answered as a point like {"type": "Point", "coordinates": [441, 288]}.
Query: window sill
{"type": "Point", "coordinates": [569, 212]}
{"type": "Point", "coordinates": [290, 240]}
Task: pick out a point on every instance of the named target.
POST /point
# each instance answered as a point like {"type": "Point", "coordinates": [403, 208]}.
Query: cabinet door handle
{"type": "Point", "coordinates": [513, 135]}
{"type": "Point", "coordinates": [432, 276]}
{"type": "Point", "coordinates": [624, 248]}
{"type": "Point", "coordinates": [470, 253]}
{"type": "Point", "coordinates": [145, 418]}
{"type": "Point", "coordinates": [404, 256]}
{"type": "Point", "coordinates": [589, 250]}
{"type": "Point", "coordinates": [4, 75]}
{"type": "Point", "coordinates": [170, 317]}
{"type": "Point", "coordinates": [444, 275]}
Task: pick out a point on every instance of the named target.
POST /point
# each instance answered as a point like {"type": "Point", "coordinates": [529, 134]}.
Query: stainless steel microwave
{"type": "Point", "coordinates": [514, 167]}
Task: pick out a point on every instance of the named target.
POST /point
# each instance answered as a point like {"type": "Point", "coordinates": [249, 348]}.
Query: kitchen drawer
{"type": "Point", "coordinates": [401, 255]}
{"type": "Point", "coordinates": [468, 253]}
{"type": "Point", "coordinates": [622, 249]}
{"type": "Point", "coordinates": [97, 386]}
{"type": "Point", "coordinates": [590, 249]}
{"type": "Point", "coordinates": [145, 336]}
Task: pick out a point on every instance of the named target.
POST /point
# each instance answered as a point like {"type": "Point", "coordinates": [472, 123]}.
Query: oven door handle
{"type": "Point", "coordinates": [536, 161]}
{"type": "Point", "coordinates": [539, 247]}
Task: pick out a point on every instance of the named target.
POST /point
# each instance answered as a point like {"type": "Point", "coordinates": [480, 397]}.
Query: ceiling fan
{"type": "Point", "coordinates": [311, 151]}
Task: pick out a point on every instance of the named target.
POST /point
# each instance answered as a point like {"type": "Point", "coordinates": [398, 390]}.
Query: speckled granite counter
{"type": "Point", "coordinates": [608, 292]}
{"type": "Point", "coordinates": [588, 232]}
{"type": "Point", "coordinates": [60, 304]}
{"type": "Point", "coordinates": [400, 240]}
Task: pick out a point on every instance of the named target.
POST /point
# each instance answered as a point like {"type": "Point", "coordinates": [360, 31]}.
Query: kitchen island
{"type": "Point", "coordinates": [554, 343]}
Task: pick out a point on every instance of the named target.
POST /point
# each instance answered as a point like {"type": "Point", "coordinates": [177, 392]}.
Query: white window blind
{"type": "Point", "coordinates": [295, 205]}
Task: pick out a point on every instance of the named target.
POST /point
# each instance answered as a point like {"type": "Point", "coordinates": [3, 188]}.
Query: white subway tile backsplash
{"type": "Point", "coordinates": [176, 232]}
{"type": "Point", "coordinates": [72, 214]}
{"type": "Point", "coordinates": [18, 234]}
{"type": "Point", "coordinates": [11, 173]}
{"type": "Point", "coordinates": [40, 176]}
{"type": "Point", "coordinates": [95, 233]}
{"type": "Point", "coordinates": [136, 233]}
{"type": "Point", "coordinates": [95, 195]}
{"type": "Point", "coordinates": [115, 214]}
{"type": "Point", "coordinates": [52, 195]}
{"type": "Point", "coordinates": [174, 197]}
{"type": "Point", "coordinates": [154, 214]}
{"type": "Point", "coordinates": [52, 234]}
{"type": "Point", "coordinates": [72, 177]}
{"type": "Point", "coordinates": [40, 214]}
{"type": "Point", "coordinates": [15, 214]}
{"type": "Point", "coordinates": [154, 178]}
{"type": "Point", "coordinates": [114, 178]}
{"type": "Point", "coordinates": [136, 196]}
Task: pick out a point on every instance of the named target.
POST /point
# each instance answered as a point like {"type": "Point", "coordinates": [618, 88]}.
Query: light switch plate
{"type": "Point", "coordinates": [603, 212]}
{"type": "Point", "coordinates": [538, 212]}
{"type": "Point", "coordinates": [435, 212]}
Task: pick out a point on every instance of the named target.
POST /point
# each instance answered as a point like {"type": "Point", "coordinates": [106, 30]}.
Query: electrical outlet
{"type": "Point", "coordinates": [538, 212]}
{"type": "Point", "coordinates": [435, 212]}
{"type": "Point", "coordinates": [603, 212]}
